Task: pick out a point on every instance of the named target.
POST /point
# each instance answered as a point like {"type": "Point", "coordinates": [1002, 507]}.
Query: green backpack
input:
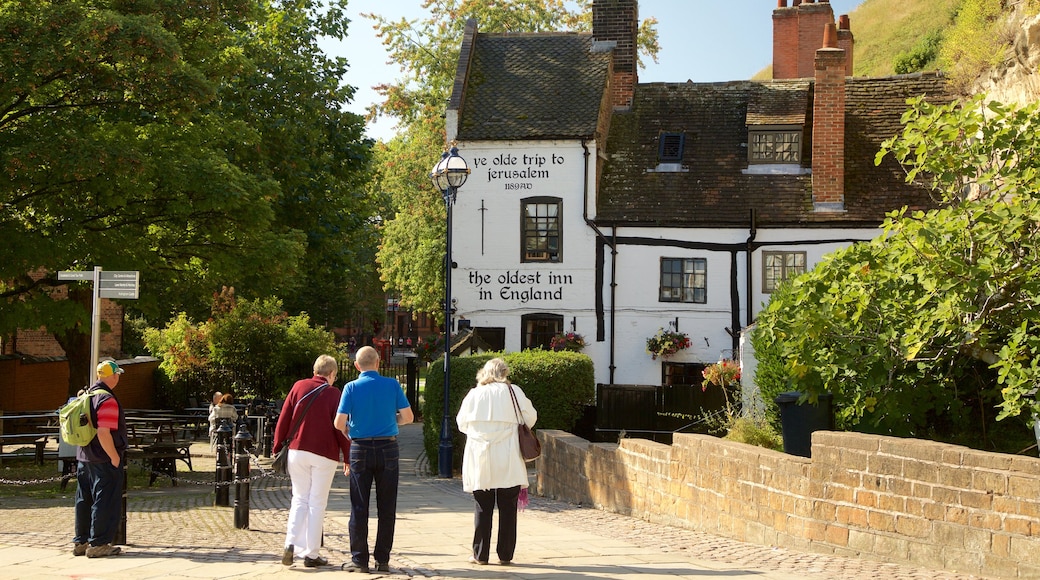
{"type": "Point", "coordinates": [74, 420]}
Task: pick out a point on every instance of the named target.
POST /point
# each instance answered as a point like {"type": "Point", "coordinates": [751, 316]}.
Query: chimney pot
{"type": "Point", "coordinates": [830, 35]}
{"type": "Point", "coordinates": [843, 22]}
{"type": "Point", "coordinates": [781, 3]}
{"type": "Point", "coordinates": [797, 3]}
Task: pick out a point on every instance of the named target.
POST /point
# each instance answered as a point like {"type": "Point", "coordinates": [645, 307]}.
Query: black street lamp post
{"type": "Point", "coordinates": [448, 176]}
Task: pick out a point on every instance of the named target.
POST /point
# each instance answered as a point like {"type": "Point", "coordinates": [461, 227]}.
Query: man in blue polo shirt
{"type": "Point", "coordinates": [372, 407]}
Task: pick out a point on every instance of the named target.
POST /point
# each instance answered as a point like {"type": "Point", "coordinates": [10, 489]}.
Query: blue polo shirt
{"type": "Point", "coordinates": [372, 402]}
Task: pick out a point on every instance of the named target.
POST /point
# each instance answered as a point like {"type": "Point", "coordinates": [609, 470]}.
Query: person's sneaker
{"type": "Point", "coordinates": [474, 560]}
{"type": "Point", "coordinates": [505, 562]}
{"type": "Point", "coordinates": [80, 549]}
{"type": "Point", "coordinates": [354, 567]}
{"type": "Point", "coordinates": [103, 551]}
{"type": "Point", "coordinates": [287, 555]}
{"type": "Point", "coordinates": [384, 567]}
{"type": "Point", "coordinates": [315, 562]}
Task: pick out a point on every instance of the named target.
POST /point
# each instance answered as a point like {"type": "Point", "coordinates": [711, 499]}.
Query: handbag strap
{"type": "Point", "coordinates": [516, 405]}
{"type": "Point", "coordinates": [299, 418]}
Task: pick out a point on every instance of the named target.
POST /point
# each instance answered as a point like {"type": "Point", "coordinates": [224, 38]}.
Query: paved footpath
{"type": "Point", "coordinates": [176, 532]}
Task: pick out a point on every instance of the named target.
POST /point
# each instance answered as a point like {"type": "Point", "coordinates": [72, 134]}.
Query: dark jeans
{"type": "Point", "coordinates": [373, 461]}
{"type": "Point", "coordinates": [486, 499]}
{"type": "Point", "coordinates": [99, 490]}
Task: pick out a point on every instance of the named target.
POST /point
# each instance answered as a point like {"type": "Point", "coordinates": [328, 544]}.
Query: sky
{"type": "Point", "coordinates": [700, 40]}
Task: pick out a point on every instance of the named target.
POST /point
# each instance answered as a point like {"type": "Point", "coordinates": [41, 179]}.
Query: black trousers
{"type": "Point", "coordinates": [486, 499]}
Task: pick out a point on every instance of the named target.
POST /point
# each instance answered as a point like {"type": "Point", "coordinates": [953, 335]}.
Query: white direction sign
{"type": "Point", "coordinates": [75, 275]}
{"type": "Point", "coordinates": [119, 284]}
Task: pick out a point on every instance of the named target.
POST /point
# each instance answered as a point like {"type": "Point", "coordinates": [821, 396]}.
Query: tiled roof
{"type": "Point", "coordinates": [712, 188]}
{"type": "Point", "coordinates": [533, 86]}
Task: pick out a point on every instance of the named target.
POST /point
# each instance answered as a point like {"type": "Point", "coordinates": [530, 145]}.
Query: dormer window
{"type": "Point", "coordinates": [774, 145]}
{"type": "Point", "coordinates": [670, 148]}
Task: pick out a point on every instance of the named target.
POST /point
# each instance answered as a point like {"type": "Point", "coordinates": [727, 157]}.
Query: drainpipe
{"type": "Point", "coordinates": [753, 230]}
{"type": "Point", "coordinates": [611, 242]}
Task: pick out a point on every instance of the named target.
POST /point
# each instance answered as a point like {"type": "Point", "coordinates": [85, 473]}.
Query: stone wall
{"type": "Point", "coordinates": [905, 501]}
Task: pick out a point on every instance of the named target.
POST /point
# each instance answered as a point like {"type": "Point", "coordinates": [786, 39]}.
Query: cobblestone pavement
{"type": "Point", "coordinates": [182, 522]}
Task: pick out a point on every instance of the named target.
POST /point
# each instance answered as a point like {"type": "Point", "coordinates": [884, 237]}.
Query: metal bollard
{"type": "Point", "coordinates": [268, 434]}
{"type": "Point", "coordinates": [243, 441]}
{"type": "Point", "coordinates": [222, 478]}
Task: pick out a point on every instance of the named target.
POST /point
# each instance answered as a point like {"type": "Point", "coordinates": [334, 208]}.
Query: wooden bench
{"type": "Point", "coordinates": [38, 441]}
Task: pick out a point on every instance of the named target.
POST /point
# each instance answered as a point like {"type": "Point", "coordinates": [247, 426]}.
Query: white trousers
{"type": "Point", "coordinates": [311, 476]}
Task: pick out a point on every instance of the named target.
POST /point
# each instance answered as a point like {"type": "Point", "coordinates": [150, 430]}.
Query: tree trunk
{"type": "Point", "coordinates": [76, 343]}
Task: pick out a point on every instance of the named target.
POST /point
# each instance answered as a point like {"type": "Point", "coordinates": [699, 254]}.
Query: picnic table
{"type": "Point", "coordinates": [28, 431]}
{"type": "Point", "coordinates": [153, 441]}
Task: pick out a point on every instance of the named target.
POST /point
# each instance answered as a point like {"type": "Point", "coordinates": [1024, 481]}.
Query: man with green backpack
{"type": "Point", "coordinates": [100, 472]}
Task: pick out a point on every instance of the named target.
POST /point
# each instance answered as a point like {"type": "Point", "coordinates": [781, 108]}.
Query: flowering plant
{"type": "Point", "coordinates": [427, 350]}
{"type": "Point", "coordinates": [567, 341]}
{"type": "Point", "coordinates": [666, 342]}
{"type": "Point", "coordinates": [723, 373]}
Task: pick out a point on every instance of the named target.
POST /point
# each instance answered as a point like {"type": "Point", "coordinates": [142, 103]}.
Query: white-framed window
{"type": "Point", "coordinates": [779, 266]}
{"type": "Point", "coordinates": [684, 280]}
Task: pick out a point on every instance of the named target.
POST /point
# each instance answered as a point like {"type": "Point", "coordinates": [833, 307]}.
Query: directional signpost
{"type": "Point", "coordinates": [114, 284]}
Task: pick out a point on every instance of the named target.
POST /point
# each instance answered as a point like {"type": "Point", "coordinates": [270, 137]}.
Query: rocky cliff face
{"type": "Point", "coordinates": [1017, 80]}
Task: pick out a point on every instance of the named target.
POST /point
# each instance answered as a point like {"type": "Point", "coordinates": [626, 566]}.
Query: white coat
{"type": "Point", "coordinates": [492, 457]}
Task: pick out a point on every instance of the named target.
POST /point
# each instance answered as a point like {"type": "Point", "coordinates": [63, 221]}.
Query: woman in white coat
{"type": "Point", "coordinates": [492, 467]}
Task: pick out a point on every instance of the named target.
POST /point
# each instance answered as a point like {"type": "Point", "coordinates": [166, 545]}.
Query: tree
{"type": "Point", "coordinates": [202, 144]}
{"type": "Point", "coordinates": [251, 347]}
{"type": "Point", "coordinates": [924, 329]}
{"type": "Point", "coordinates": [411, 256]}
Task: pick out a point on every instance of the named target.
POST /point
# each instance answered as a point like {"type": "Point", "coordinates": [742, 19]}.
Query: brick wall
{"type": "Point", "coordinates": [797, 34]}
{"type": "Point", "coordinates": [905, 501]}
{"type": "Point", "coordinates": [40, 385]}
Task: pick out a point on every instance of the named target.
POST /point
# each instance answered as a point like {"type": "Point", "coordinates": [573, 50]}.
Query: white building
{"type": "Point", "coordinates": [612, 208]}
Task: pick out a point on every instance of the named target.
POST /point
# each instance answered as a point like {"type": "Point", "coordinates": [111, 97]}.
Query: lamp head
{"type": "Point", "coordinates": [451, 171]}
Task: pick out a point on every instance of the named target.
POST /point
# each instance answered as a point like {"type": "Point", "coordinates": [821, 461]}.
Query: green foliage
{"type": "Point", "coordinates": [974, 43]}
{"type": "Point", "coordinates": [201, 145]}
{"type": "Point", "coordinates": [754, 432]}
{"type": "Point", "coordinates": [921, 57]}
{"type": "Point", "coordinates": [250, 347]}
{"type": "Point", "coordinates": [559, 384]}
{"type": "Point", "coordinates": [927, 328]}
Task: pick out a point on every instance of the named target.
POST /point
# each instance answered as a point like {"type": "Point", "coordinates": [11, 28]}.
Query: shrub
{"type": "Point", "coordinates": [754, 432]}
{"type": "Point", "coordinates": [559, 385]}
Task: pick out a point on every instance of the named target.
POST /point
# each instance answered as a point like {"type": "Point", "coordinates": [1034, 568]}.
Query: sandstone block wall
{"type": "Point", "coordinates": [904, 501]}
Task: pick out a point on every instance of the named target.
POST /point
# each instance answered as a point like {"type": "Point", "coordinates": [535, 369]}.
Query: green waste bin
{"type": "Point", "coordinates": [798, 421]}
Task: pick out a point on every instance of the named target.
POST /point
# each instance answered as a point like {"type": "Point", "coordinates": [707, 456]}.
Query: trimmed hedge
{"type": "Point", "coordinates": [559, 385]}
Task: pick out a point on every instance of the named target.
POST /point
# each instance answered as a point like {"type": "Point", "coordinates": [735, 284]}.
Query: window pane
{"type": "Point", "coordinates": [541, 232]}
{"type": "Point", "coordinates": [683, 280]}
{"type": "Point", "coordinates": [775, 146]}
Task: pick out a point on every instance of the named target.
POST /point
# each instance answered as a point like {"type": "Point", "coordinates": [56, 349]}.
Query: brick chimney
{"type": "Point", "coordinates": [617, 21]}
{"type": "Point", "coordinates": [846, 42]}
{"type": "Point", "coordinates": [828, 132]}
{"type": "Point", "coordinates": [796, 36]}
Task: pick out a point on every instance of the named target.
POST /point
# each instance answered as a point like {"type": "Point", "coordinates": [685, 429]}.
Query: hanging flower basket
{"type": "Point", "coordinates": [567, 341]}
{"type": "Point", "coordinates": [724, 373]}
{"type": "Point", "coordinates": [666, 342]}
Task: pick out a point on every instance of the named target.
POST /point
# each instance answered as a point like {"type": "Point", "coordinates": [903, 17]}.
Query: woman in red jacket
{"type": "Point", "coordinates": [314, 453]}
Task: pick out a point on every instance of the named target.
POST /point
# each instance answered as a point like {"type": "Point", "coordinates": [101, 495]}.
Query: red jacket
{"type": "Point", "coordinates": [316, 432]}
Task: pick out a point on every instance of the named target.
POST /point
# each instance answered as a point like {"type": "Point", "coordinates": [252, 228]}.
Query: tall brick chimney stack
{"type": "Point", "coordinates": [796, 36]}
{"type": "Point", "coordinates": [828, 132]}
{"type": "Point", "coordinates": [846, 42]}
{"type": "Point", "coordinates": [618, 21]}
